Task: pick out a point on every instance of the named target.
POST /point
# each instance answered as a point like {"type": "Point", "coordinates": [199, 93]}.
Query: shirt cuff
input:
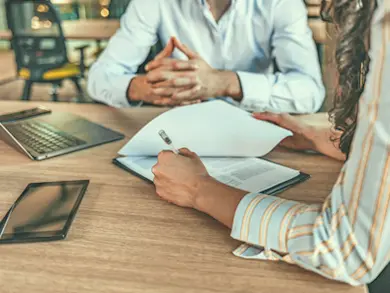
{"type": "Point", "coordinates": [263, 221]}
{"type": "Point", "coordinates": [117, 96]}
{"type": "Point", "coordinates": [132, 103]}
{"type": "Point", "coordinates": [247, 251]}
{"type": "Point", "coordinates": [256, 91]}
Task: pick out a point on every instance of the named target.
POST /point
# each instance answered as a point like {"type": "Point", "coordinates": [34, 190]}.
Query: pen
{"type": "Point", "coordinates": [168, 141]}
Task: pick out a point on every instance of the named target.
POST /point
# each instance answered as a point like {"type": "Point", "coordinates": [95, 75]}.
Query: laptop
{"type": "Point", "coordinates": [55, 134]}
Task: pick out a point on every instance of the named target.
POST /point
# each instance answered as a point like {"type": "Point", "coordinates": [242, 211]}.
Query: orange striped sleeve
{"type": "Point", "coordinates": [346, 238]}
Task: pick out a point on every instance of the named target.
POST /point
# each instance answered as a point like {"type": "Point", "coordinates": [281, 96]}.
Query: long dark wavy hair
{"type": "Point", "coordinates": [352, 19]}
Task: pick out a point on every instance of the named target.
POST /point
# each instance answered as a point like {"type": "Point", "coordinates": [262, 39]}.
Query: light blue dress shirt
{"type": "Point", "coordinates": [245, 40]}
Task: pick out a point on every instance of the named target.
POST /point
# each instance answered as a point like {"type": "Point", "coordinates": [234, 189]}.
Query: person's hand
{"type": "Point", "coordinates": [301, 131]}
{"type": "Point", "coordinates": [310, 132]}
{"type": "Point", "coordinates": [178, 177]}
{"type": "Point", "coordinates": [141, 90]}
{"type": "Point", "coordinates": [181, 81]}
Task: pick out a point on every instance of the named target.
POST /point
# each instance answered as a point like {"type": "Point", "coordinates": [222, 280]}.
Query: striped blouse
{"type": "Point", "coordinates": [348, 237]}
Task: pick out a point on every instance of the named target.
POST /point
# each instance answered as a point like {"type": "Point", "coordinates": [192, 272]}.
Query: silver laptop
{"type": "Point", "coordinates": [55, 134]}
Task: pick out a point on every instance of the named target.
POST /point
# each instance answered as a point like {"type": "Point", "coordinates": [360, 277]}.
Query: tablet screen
{"type": "Point", "coordinates": [43, 212]}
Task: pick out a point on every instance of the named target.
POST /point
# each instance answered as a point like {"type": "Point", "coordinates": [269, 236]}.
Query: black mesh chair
{"type": "Point", "coordinates": [117, 8]}
{"type": "Point", "coordinates": [39, 45]}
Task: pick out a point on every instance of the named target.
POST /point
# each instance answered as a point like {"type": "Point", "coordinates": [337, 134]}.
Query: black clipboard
{"type": "Point", "coordinates": [274, 190]}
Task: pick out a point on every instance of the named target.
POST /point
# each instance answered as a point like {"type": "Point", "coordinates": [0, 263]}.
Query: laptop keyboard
{"type": "Point", "coordinates": [42, 137]}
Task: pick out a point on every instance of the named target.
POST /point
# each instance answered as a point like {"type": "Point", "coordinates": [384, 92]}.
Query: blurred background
{"type": "Point", "coordinates": [85, 23]}
{"type": "Point", "coordinates": [73, 37]}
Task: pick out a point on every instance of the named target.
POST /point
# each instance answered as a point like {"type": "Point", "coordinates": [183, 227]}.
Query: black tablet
{"type": "Point", "coordinates": [43, 212]}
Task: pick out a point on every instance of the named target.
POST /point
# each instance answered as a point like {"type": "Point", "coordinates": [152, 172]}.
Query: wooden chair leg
{"type": "Point", "coordinates": [27, 90]}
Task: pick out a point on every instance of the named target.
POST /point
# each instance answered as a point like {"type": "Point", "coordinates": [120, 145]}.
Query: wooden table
{"type": "Point", "coordinates": [7, 68]}
{"type": "Point", "coordinates": [87, 29]}
{"type": "Point", "coordinates": [67, 2]}
{"type": "Point", "coordinates": [125, 239]}
{"type": "Point", "coordinates": [103, 29]}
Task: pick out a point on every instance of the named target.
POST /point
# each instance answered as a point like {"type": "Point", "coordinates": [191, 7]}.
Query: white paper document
{"type": "Point", "coordinates": [228, 140]}
{"type": "Point", "coordinates": [212, 129]}
{"type": "Point", "coordinates": [249, 174]}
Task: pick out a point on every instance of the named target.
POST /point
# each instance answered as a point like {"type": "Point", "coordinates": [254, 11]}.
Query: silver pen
{"type": "Point", "coordinates": [168, 141]}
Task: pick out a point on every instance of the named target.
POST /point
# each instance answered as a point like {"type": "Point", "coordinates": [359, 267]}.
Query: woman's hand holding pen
{"type": "Point", "coordinates": [181, 178]}
{"type": "Point", "coordinates": [178, 178]}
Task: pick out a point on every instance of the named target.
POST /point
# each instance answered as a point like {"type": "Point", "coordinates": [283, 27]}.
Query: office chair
{"type": "Point", "coordinates": [117, 8]}
{"type": "Point", "coordinates": [39, 45]}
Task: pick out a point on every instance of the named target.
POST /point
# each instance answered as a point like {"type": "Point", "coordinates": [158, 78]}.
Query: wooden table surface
{"type": "Point", "coordinates": [67, 2]}
{"type": "Point", "coordinates": [125, 239]}
{"type": "Point", "coordinates": [86, 29]}
{"type": "Point", "coordinates": [103, 29]}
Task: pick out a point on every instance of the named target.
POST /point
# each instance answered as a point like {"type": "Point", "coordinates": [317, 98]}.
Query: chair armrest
{"type": "Point", "coordinates": [82, 58]}
{"type": "Point", "coordinates": [81, 48]}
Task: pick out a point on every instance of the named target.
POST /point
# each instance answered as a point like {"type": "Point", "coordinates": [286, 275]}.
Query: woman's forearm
{"type": "Point", "coordinates": [218, 200]}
